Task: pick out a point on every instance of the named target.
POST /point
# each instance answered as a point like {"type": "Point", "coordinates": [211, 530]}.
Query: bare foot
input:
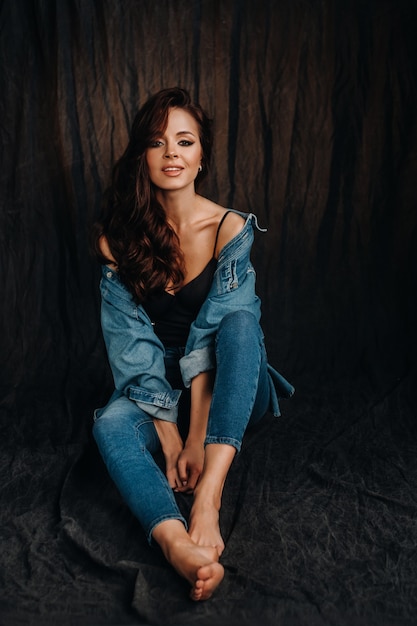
{"type": "Point", "coordinates": [204, 525]}
{"type": "Point", "coordinates": [197, 564]}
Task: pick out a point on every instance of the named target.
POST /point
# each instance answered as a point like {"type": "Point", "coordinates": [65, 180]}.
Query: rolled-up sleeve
{"type": "Point", "coordinates": [135, 353]}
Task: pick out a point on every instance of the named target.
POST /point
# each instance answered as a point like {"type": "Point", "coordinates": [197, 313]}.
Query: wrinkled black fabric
{"type": "Point", "coordinates": [315, 131]}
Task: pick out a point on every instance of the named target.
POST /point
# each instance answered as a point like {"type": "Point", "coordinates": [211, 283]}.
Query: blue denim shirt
{"type": "Point", "coordinates": [136, 355]}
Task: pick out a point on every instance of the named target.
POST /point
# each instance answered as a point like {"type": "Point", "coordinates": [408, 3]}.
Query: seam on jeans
{"type": "Point", "coordinates": [136, 428]}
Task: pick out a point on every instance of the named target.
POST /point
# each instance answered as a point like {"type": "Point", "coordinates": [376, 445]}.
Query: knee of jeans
{"type": "Point", "coordinates": [107, 425]}
{"type": "Point", "coordinates": [102, 430]}
{"type": "Point", "coordinates": [122, 416]}
{"type": "Point", "coordinates": [241, 323]}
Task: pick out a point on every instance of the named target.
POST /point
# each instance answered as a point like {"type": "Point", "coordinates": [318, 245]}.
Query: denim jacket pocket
{"type": "Point", "coordinates": [229, 277]}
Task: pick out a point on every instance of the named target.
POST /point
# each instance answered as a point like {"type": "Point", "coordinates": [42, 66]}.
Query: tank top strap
{"type": "Point", "coordinates": [218, 230]}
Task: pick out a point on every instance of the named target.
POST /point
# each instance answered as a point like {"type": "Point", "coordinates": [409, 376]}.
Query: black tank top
{"type": "Point", "coordinates": [173, 314]}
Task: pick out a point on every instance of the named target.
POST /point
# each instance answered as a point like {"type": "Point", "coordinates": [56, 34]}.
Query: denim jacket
{"type": "Point", "coordinates": [136, 355]}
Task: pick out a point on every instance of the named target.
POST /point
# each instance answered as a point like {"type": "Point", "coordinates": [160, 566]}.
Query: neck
{"type": "Point", "coordinates": [179, 206]}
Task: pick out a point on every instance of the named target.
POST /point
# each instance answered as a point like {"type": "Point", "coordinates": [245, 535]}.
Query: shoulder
{"type": "Point", "coordinates": [230, 225]}
{"type": "Point", "coordinates": [224, 223]}
{"type": "Point", "coordinates": [106, 252]}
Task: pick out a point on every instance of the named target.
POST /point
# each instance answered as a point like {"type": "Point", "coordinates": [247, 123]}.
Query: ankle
{"type": "Point", "coordinates": [170, 535]}
{"type": "Point", "coordinates": [206, 498]}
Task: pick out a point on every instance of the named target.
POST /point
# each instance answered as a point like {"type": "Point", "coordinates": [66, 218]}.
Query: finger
{"type": "Point", "coordinates": [182, 472]}
{"type": "Point", "coordinates": [183, 485]}
{"type": "Point", "coordinates": [172, 483]}
{"type": "Point", "coordinates": [193, 479]}
{"type": "Point", "coordinates": [173, 478]}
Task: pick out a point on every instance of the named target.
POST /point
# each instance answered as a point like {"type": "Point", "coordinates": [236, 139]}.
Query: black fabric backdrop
{"type": "Point", "coordinates": [315, 109]}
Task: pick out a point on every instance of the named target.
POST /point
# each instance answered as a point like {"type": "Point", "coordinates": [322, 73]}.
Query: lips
{"type": "Point", "coordinates": [172, 170]}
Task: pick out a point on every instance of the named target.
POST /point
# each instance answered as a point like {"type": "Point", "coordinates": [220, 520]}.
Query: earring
{"type": "Point", "coordinates": [200, 168]}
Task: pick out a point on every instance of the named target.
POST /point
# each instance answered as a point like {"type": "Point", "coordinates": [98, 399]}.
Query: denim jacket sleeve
{"type": "Point", "coordinates": [233, 288]}
{"type": "Point", "coordinates": [135, 353]}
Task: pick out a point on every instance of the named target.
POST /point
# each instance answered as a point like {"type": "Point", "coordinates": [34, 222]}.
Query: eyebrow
{"type": "Point", "coordinates": [185, 132]}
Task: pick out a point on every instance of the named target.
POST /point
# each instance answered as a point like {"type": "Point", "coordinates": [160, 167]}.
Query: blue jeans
{"type": "Point", "coordinates": [127, 438]}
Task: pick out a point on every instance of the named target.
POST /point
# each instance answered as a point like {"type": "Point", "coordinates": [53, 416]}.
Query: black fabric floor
{"type": "Point", "coordinates": [315, 109]}
{"type": "Point", "coordinates": [319, 517]}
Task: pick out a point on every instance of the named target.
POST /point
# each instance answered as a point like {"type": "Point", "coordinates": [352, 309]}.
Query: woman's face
{"type": "Point", "coordinates": [174, 158]}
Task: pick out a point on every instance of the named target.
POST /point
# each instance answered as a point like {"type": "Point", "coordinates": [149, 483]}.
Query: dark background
{"type": "Point", "coordinates": [315, 109]}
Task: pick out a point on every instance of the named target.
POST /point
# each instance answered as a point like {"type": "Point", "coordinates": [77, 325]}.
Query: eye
{"type": "Point", "coordinates": [186, 142]}
{"type": "Point", "coordinates": [156, 143]}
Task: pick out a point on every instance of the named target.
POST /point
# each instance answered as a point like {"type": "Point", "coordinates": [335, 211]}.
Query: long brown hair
{"type": "Point", "coordinates": [134, 223]}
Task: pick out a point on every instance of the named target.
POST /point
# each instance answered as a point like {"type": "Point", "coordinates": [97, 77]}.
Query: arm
{"type": "Point", "coordinates": [191, 460]}
{"type": "Point", "coordinates": [135, 353]}
{"type": "Point", "coordinates": [172, 447]}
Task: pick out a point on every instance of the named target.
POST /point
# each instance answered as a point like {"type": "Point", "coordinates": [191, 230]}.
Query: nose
{"type": "Point", "coordinates": [170, 154]}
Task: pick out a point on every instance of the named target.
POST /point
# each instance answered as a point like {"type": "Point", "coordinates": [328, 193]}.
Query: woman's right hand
{"type": "Point", "coordinates": [172, 446]}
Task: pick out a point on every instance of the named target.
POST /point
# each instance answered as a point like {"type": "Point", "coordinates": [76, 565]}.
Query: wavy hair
{"type": "Point", "coordinates": [134, 223]}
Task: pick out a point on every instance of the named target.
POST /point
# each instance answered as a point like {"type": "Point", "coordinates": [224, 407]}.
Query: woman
{"type": "Point", "coordinates": [179, 316]}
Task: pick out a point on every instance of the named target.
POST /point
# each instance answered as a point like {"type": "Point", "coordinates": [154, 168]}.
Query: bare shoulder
{"type": "Point", "coordinates": [106, 252]}
{"type": "Point", "coordinates": [226, 223]}
{"type": "Point", "coordinates": [231, 226]}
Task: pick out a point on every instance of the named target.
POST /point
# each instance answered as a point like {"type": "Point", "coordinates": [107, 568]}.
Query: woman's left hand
{"type": "Point", "coordinates": [190, 465]}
